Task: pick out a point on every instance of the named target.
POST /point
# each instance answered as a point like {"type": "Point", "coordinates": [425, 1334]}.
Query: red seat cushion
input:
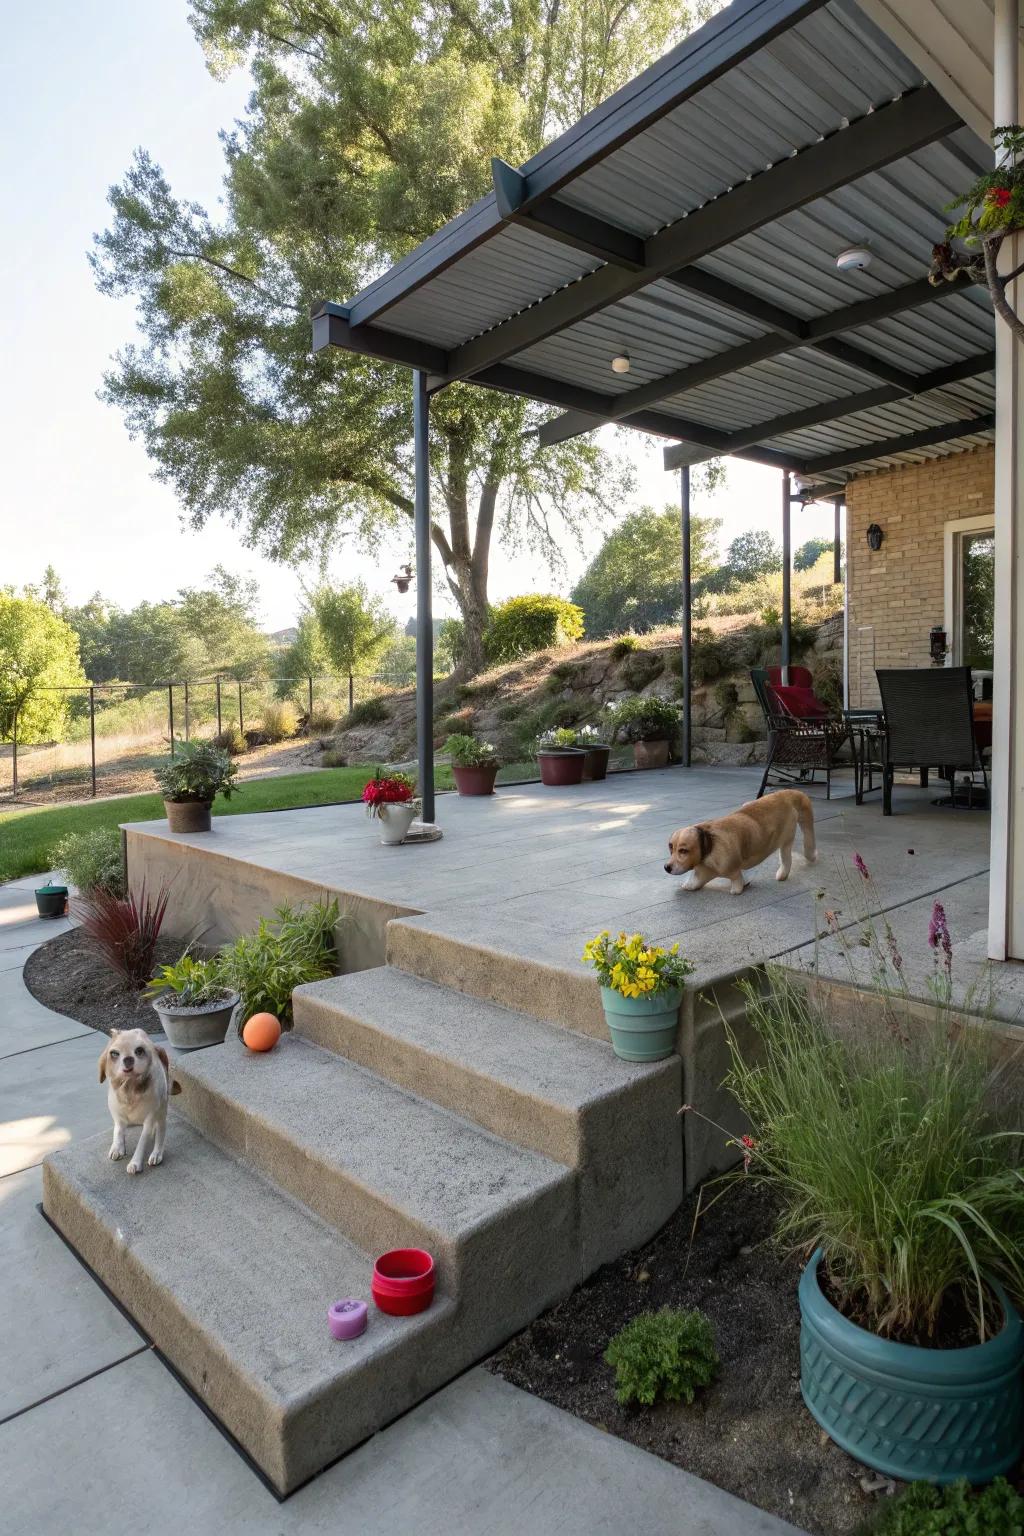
{"type": "Point", "coordinates": [801, 702]}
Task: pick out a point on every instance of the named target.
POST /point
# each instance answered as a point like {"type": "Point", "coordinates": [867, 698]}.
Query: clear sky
{"type": "Point", "coordinates": [82, 83]}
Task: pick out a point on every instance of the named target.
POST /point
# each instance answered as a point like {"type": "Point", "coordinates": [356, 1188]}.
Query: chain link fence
{"type": "Point", "coordinates": [116, 733]}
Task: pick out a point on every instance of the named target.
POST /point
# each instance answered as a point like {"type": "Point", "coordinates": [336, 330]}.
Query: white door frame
{"type": "Point", "coordinates": [952, 575]}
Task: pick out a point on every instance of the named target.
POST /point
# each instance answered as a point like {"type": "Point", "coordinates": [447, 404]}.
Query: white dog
{"type": "Point", "coordinates": [140, 1084]}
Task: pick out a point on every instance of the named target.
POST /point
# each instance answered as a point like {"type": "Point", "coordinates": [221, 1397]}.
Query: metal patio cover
{"type": "Point", "coordinates": [693, 220]}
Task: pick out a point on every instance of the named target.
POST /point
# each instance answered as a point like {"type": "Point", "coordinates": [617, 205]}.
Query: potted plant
{"type": "Point", "coordinates": [894, 1147]}
{"type": "Point", "coordinates": [191, 780]}
{"type": "Point", "coordinates": [192, 1002]}
{"type": "Point", "coordinates": [389, 799]}
{"type": "Point", "coordinates": [641, 990]}
{"type": "Point", "coordinates": [559, 758]}
{"type": "Point", "coordinates": [474, 764]}
{"type": "Point", "coordinates": [649, 723]}
{"type": "Point", "coordinates": [596, 752]}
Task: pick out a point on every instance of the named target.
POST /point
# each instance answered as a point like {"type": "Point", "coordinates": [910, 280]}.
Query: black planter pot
{"type": "Point", "coordinates": [52, 900]}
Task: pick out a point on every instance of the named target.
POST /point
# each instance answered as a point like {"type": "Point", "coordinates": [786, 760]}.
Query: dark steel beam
{"type": "Point", "coordinates": [332, 327]}
{"type": "Point", "coordinates": [424, 591]}
{"type": "Point", "coordinates": [687, 614]}
{"type": "Point", "coordinates": [739, 300]}
{"type": "Point", "coordinates": [928, 437]}
{"type": "Point", "coordinates": [560, 221]}
{"type": "Point", "coordinates": [848, 405]}
{"type": "Point", "coordinates": [736, 33]}
{"type": "Point", "coordinates": [787, 574]}
{"type": "Point", "coordinates": [887, 134]}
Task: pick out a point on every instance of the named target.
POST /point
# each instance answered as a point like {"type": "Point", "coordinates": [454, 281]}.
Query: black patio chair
{"type": "Point", "coordinates": [797, 747]}
{"type": "Point", "coordinates": [929, 723]}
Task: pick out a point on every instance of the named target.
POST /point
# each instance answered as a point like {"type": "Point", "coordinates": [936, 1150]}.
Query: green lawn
{"type": "Point", "coordinates": [26, 836]}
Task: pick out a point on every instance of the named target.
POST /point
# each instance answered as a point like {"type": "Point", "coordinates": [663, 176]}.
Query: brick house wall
{"type": "Point", "coordinates": [896, 594]}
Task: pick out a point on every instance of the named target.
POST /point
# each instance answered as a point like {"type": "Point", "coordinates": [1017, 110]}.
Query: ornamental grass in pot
{"type": "Point", "coordinates": [192, 1002]}
{"type": "Point", "coordinates": [390, 801]}
{"type": "Point", "coordinates": [560, 760]}
{"type": "Point", "coordinates": [894, 1145]}
{"type": "Point", "coordinates": [474, 764]}
{"type": "Point", "coordinates": [650, 723]}
{"type": "Point", "coordinates": [191, 780]}
{"type": "Point", "coordinates": [641, 990]}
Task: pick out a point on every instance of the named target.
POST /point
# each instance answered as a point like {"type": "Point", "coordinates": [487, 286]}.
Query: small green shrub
{"type": "Point", "coordinates": [198, 771]}
{"type": "Point", "coordinates": [708, 655]}
{"type": "Point", "coordinates": [508, 712]}
{"type": "Point", "coordinates": [641, 668]}
{"type": "Point", "coordinates": [189, 982]}
{"type": "Point", "coordinates": [231, 740]}
{"type": "Point", "coordinates": [320, 723]}
{"type": "Point", "coordinates": [667, 1354]}
{"type": "Point", "coordinates": [522, 625]}
{"type": "Point", "coordinates": [621, 647]}
{"type": "Point", "coordinates": [91, 860]}
{"type": "Point", "coordinates": [332, 758]}
{"type": "Point", "coordinates": [643, 719]}
{"type": "Point", "coordinates": [469, 751]}
{"type": "Point", "coordinates": [674, 662]}
{"type": "Point", "coordinates": [458, 724]}
{"type": "Point", "coordinates": [564, 671]}
{"type": "Point", "coordinates": [280, 719]}
{"type": "Point", "coordinates": [371, 711]}
{"type": "Point", "coordinates": [956, 1510]}
{"type": "Point", "coordinates": [295, 946]}
{"type": "Point", "coordinates": [727, 697]}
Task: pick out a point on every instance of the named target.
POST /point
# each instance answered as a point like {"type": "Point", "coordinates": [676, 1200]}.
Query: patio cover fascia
{"type": "Point", "coordinates": [615, 262]}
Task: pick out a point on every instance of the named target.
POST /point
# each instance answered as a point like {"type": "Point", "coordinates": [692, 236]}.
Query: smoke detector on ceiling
{"type": "Point", "coordinates": [854, 260]}
{"type": "Point", "coordinates": [620, 362]}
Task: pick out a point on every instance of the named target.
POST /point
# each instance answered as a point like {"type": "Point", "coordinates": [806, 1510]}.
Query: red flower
{"type": "Point", "coordinates": [386, 792]}
{"type": "Point", "coordinates": [999, 196]}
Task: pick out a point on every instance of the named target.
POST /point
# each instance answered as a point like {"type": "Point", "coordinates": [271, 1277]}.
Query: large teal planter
{"type": "Point", "coordinates": [933, 1414]}
{"type": "Point", "coordinates": [642, 1028]}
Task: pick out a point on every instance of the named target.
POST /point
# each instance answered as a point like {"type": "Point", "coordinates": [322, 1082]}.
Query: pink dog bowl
{"type": "Point", "coordinates": [347, 1319]}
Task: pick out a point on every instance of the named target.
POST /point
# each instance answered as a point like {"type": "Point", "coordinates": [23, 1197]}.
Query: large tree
{"type": "Point", "coordinates": [368, 128]}
{"type": "Point", "coordinates": [38, 659]}
{"type": "Point", "coordinates": [634, 580]}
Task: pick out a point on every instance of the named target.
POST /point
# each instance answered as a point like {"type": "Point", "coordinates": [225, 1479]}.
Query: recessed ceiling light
{"type": "Point", "coordinates": [854, 260]}
{"type": "Point", "coordinates": [620, 362]}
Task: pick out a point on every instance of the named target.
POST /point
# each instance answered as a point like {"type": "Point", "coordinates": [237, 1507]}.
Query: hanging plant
{"type": "Point", "coordinates": [991, 209]}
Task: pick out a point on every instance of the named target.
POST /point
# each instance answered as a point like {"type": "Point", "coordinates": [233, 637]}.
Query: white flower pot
{"type": "Point", "coordinates": [395, 821]}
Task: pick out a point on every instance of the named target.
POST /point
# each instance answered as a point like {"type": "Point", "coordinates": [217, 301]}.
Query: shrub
{"type": "Point", "coordinates": [189, 982]}
{"type": "Point", "coordinates": [674, 662]}
{"type": "Point", "coordinates": [124, 930]}
{"type": "Point", "coordinates": [531, 623]}
{"type": "Point", "coordinates": [956, 1510]}
{"type": "Point", "coordinates": [641, 668]}
{"type": "Point", "coordinates": [333, 759]}
{"type": "Point", "coordinates": [894, 1145]}
{"type": "Point", "coordinates": [368, 712]}
{"type": "Point", "coordinates": [644, 719]}
{"type": "Point", "coordinates": [199, 771]}
{"type": "Point", "coordinates": [231, 740]}
{"type": "Point", "coordinates": [91, 860]}
{"type": "Point", "coordinates": [320, 723]}
{"type": "Point", "coordinates": [458, 724]}
{"type": "Point", "coordinates": [621, 647]}
{"type": "Point", "coordinates": [469, 751]}
{"type": "Point", "coordinates": [708, 656]}
{"type": "Point", "coordinates": [727, 697]}
{"type": "Point", "coordinates": [295, 946]}
{"type": "Point", "coordinates": [667, 1354]}
{"type": "Point", "coordinates": [280, 719]}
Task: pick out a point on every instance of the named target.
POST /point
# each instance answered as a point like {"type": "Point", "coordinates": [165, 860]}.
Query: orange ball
{"type": "Point", "coordinates": [261, 1032]}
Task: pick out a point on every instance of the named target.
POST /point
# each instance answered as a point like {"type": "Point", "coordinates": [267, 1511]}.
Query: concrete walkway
{"type": "Point", "coordinates": [96, 1435]}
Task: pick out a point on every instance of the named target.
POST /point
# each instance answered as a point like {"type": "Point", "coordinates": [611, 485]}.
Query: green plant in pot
{"type": "Point", "coordinates": [191, 780]}
{"type": "Point", "coordinates": [474, 764]}
{"type": "Point", "coordinates": [192, 1002]}
{"type": "Point", "coordinates": [650, 723]}
{"type": "Point", "coordinates": [596, 749]}
{"type": "Point", "coordinates": [560, 760]}
{"type": "Point", "coordinates": [641, 990]}
{"type": "Point", "coordinates": [893, 1144]}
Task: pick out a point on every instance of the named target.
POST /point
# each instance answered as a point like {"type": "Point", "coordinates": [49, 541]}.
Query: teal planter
{"type": "Point", "coordinates": [642, 1028]}
{"type": "Point", "coordinates": [910, 1412]}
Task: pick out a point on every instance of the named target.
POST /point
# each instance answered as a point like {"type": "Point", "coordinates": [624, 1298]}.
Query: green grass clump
{"type": "Point", "coordinates": [621, 647]}
{"type": "Point", "coordinates": [280, 719]}
{"type": "Point", "coordinates": [231, 740]}
{"type": "Point", "coordinates": [90, 860]}
{"type": "Point", "coordinates": [294, 947]}
{"type": "Point", "coordinates": [28, 836]}
{"type": "Point", "coordinates": [372, 711]}
{"type": "Point", "coordinates": [667, 1354]}
{"type": "Point", "coordinates": [955, 1510]}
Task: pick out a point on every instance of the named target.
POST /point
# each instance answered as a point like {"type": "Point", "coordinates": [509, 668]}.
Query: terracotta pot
{"type": "Point", "coordinates": [475, 781]}
{"type": "Point", "coordinates": [596, 764]}
{"type": "Point", "coordinates": [561, 767]}
{"type": "Point", "coordinates": [188, 815]}
{"type": "Point", "coordinates": [650, 754]}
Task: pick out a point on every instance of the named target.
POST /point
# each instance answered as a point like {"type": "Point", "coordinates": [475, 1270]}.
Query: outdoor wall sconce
{"type": "Point", "coordinates": [875, 537]}
{"type": "Point", "coordinates": [403, 577]}
{"type": "Point", "coordinates": [620, 362]}
{"type": "Point", "coordinates": [937, 645]}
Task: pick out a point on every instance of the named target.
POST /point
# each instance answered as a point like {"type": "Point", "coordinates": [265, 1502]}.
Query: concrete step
{"type": "Point", "coordinates": [390, 1170]}
{"type": "Point", "coordinates": [232, 1280]}
{"type": "Point", "coordinates": [544, 1088]}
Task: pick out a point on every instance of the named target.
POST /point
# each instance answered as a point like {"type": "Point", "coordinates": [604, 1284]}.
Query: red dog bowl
{"type": "Point", "coordinates": [403, 1281]}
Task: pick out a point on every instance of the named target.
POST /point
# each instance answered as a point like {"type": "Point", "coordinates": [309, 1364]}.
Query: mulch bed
{"type": "Point", "coordinates": [68, 976]}
{"type": "Point", "coordinates": [749, 1432]}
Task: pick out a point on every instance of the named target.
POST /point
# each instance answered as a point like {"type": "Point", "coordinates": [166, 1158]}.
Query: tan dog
{"type": "Point", "coordinates": [731, 844]}
{"type": "Point", "coordinates": [140, 1084]}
